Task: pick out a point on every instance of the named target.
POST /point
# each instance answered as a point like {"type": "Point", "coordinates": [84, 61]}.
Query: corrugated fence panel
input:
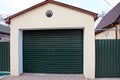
{"type": "Point", "coordinates": [107, 58]}
{"type": "Point", "coordinates": [4, 56]}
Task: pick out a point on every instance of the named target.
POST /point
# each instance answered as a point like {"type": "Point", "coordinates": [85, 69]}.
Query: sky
{"type": "Point", "coordinates": [12, 6]}
{"type": "Point", "coordinates": [9, 7]}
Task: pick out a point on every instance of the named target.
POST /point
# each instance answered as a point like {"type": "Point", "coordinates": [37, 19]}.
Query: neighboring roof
{"type": "Point", "coordinates": [54, 2]}
{"type": "Point", "coordinates": [111, 18]}
{"type": "Point", "coordinates": [4, 29]}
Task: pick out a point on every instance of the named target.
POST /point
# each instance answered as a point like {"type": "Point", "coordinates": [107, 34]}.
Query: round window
{"type": "Point", "coordinates": [49, 13]}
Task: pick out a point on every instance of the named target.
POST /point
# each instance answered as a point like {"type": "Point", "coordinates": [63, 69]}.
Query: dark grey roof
{"type": "Point", "coordinates": [111, 17]}
{"type": "Point", "coordinates": [4, 29]}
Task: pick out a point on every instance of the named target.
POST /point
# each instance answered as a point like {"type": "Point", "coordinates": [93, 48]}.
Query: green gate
{"type": "Point", "coordinates": [4, 58]}
{"type": "Point", "coordinates": [107, 58]}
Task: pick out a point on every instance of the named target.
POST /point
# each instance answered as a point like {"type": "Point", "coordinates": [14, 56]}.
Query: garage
{"type": "Point", "coordinates": [52, 37]}
{"type": "Point", "coordinates": [53, 51]}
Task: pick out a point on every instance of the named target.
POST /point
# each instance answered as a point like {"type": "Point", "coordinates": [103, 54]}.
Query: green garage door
{"type": "Point", "coordinates": [53, 51]}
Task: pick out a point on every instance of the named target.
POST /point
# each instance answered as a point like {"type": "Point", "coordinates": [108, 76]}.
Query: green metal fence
{"type": "Point", "coordinates": [4, 56]}
{"type": "Point", "coordinates": [107, 58]}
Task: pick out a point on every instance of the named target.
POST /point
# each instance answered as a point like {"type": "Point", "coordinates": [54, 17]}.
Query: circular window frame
{"type": "Point", "coordinates": [49, 13]}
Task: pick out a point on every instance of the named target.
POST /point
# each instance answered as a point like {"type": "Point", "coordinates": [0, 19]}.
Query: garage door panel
{"type": "Point", "coordinates": [53, 51]}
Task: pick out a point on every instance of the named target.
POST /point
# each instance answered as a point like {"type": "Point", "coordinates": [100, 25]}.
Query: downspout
{"type": "Point", "coordinates": [116, 35]}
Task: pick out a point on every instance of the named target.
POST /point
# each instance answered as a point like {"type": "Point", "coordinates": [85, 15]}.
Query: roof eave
{"type": "Point", "coordinates": [8, 19]}
{"type": "Point", "coordinates": [107, 27]}
{"type": "Point", "coordinates": [4, 33]}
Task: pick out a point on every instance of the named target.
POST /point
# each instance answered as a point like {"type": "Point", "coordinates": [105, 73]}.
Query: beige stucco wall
{"type": "Point", "coordinates": [63, 18]}
{"type": "Point", "coordinates": [109, 34]}
{"type": "Point", "coordinates": [118, 32]}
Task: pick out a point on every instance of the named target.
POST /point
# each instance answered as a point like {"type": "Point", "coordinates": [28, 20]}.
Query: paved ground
{"type": "Point", "coordinates": [107, 79]}
{"type": "Point", "coordinates": [26, 76]}
{"type": "Point", "coordinates": [1, 77]}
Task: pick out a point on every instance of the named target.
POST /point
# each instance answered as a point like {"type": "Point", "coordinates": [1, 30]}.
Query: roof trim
{"type": "Point", "coordinates": [54, 2]}
{"type": "Point", "coordinates": [107, 27]}
{"type": "Point", "coordinates": [4, 33]}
